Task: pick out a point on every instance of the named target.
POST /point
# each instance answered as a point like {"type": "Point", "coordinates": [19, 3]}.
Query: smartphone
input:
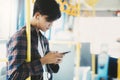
{"type": "Point", "coordinates": [66, 52]}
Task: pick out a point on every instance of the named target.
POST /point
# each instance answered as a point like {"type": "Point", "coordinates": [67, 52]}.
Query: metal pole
{"type": "Point", "coordinates": [93, 66]}
{"type": "Point", "coordinates": [28, 32]}
{"type": "Point", "coordinates": [77, 67]}
{"type": "Point", "coordinates": [118, 70]}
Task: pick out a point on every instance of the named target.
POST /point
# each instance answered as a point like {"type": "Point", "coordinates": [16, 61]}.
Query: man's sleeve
{"type": "Point", "coordinates": [17, 50]}
{"type": "Point", "coordinates": [54, 68]}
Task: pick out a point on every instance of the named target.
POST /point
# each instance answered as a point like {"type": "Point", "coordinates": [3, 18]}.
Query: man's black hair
{"type": "Point", "coordinates": [47, 7]}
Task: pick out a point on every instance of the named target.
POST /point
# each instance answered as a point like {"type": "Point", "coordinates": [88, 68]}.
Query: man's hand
{"type": "Point", "coordinates": [52, 58]}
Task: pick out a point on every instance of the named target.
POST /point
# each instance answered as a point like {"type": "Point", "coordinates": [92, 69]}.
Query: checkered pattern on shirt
{"type": "Point", "coordinates": [17, 67]}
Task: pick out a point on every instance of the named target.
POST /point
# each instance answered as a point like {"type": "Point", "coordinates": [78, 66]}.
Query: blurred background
{"type": "Point", "coordinates": [90, 29]}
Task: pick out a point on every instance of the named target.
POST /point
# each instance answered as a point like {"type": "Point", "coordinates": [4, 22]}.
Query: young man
{"type": "Point", "coordinates": [43, 62]}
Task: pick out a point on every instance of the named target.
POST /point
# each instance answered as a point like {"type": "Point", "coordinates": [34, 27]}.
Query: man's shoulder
{"type": "Point", "coordinates": [18, 35]}
{"type": "Point", "coordinates": [21, 32]}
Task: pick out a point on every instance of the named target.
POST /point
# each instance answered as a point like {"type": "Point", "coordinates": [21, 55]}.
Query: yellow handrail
{"type": "Point", "coordinates": [28, 32]}
{"type": "Point", "coordinates": [77, 60]}
{"type": "Point", "coordinates": [92, 2]}
{"type": "Point", "coordinates": [28, 29]}
{"type": "Point", "coordinates": [4, 60]}
{"type": "Point", "coordinates": [70, 9]}
{"type": "Point", "coordinates": [93, 66]}
{"type": "Point", "coordinates": [118, 70]}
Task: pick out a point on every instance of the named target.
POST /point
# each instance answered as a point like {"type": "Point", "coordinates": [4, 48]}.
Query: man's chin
{"type": "Point", "coordinates": [44, 30]}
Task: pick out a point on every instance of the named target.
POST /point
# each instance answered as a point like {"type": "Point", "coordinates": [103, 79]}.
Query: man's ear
{"type": "Point", "coordinates": [37, 15]}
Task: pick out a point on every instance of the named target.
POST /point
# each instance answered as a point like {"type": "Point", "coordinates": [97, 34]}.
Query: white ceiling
{"type": "Point", "coordinates": [108, 5]}
{"type": "Point", "coordinates": [105, 5]}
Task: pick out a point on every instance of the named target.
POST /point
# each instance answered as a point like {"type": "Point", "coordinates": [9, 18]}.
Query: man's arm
{"type": "Point", "coordinates": [17, 58]}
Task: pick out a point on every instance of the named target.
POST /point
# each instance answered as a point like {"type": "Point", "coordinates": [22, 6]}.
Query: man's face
{"type": "Point", "coordinates": [43, 24]}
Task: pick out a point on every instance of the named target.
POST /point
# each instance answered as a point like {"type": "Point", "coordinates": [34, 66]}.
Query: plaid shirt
{"type": "Point", "coordinates": [17, 67]}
